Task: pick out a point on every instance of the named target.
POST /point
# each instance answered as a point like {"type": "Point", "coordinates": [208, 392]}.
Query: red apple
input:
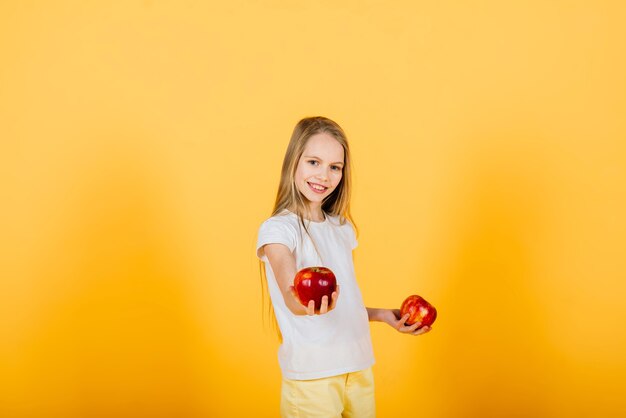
{"type": "Point", "coordinates": [311, 283]}
{"type": "Point", "coordinates": [419, 310]}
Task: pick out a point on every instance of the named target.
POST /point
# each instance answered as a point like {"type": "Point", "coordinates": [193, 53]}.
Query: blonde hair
{"type": "Point", "coordinates": [290, 198]}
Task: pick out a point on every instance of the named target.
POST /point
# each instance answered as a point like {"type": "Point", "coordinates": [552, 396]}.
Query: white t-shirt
{"type": "Point", "coordinates": [320, 345]}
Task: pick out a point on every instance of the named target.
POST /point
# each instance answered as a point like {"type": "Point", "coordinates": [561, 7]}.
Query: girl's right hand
{"type": "Point", "coordinates": [283, 263]}
{"type": "Point", "coordinates": [324, 308]}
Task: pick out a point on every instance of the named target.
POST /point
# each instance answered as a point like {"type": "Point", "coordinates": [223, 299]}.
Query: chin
{"type": "Point", "coordinates": [315, 199]}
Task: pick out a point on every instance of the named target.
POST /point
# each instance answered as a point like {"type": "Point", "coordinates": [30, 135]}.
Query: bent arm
{"type": "Point", "coordinates": [375, 314]}
{"type": "Point", "coordinates": [393, 318]}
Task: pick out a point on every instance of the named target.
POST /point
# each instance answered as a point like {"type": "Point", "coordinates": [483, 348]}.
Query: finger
{"type": "Point", "coordinates": [409, 329]}
{"type": "Point", "coordinates": [310, 309]}
{"type": "Point", "coordinates": [402, 321]}
{"type": "Point", "coordinates": [324, 307]}
{"type": "Point", "coordinates": [415, 326]}
{"type": "Point", "coordinates": [422, 330]}
{"type": "Point", "coordinates": [333, 300]}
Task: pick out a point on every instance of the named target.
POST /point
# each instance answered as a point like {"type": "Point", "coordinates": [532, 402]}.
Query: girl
{"type": "Point", "coordinates": [326, 355]}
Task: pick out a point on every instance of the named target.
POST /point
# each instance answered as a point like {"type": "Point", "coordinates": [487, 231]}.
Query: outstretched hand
{"type": "Point", "coordinates": [324, 308]}
{"type": "Point", "coordinates": [393, 318]}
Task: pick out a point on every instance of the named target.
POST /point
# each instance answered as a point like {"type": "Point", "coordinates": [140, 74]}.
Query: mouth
{"type": "Point", "coordinates": [317, 188]}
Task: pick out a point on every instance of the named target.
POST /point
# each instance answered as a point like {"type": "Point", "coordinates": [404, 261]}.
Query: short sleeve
{"type": "Point", "coordinates": [353, 241]}
{"type": "Point", "coordinates": [274, 231]}
{"type": "Point", "coordinates": [353, 235]}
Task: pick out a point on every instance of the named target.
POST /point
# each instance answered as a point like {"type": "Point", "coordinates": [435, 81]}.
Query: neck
{"type": "Point", "coordinates": [315, 213]}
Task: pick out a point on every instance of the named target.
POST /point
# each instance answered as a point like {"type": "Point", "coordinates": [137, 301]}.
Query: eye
{"type": "Point", "coordinates": [312, 162]}
{"type": "Point", "coordinates": [336, 168]}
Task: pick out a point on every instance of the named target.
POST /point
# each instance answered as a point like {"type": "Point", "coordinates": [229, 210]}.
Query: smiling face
{"type": "Point", "coordinates": [319, 170]}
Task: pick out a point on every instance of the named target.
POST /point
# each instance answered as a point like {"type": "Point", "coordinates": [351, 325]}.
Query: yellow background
{"type": "Point", "coordinates": [141, 149]}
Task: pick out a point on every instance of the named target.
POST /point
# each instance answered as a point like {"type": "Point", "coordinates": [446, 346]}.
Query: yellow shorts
{"type": "Point", "coordinates": [345, 395]}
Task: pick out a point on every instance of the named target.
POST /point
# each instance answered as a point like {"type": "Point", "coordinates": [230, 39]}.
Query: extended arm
{"type": "Point", "coordinates": [283, 265]}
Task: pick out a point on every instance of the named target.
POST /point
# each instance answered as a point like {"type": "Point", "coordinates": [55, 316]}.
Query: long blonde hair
{"type": "Point", "coordinates": [290, 198]}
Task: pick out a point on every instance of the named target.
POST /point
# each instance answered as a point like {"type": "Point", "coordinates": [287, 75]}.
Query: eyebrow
{"type": "Point", "coordinates": [317, 158]}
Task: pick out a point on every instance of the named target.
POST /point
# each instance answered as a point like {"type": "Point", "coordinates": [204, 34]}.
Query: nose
{"type": "Point", "coordinates": [324, 173]}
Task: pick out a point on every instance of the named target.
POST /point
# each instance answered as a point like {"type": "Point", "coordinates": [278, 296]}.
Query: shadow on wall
{"type": "Point", "coordinates": [114, 331]}
{"type": "Point", "coordinates": [491, 349]}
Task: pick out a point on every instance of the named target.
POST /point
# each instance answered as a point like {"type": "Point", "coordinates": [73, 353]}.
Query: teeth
{"type": "Point", "coordinates": [317, 187]}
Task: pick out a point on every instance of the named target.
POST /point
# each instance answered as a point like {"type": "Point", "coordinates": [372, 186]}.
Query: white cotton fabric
{"type": "Point", "coordinates": [321, 345]}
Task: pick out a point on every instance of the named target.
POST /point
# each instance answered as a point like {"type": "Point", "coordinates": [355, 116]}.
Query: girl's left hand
{"type": "Point", "coordinates": [393, 318]}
